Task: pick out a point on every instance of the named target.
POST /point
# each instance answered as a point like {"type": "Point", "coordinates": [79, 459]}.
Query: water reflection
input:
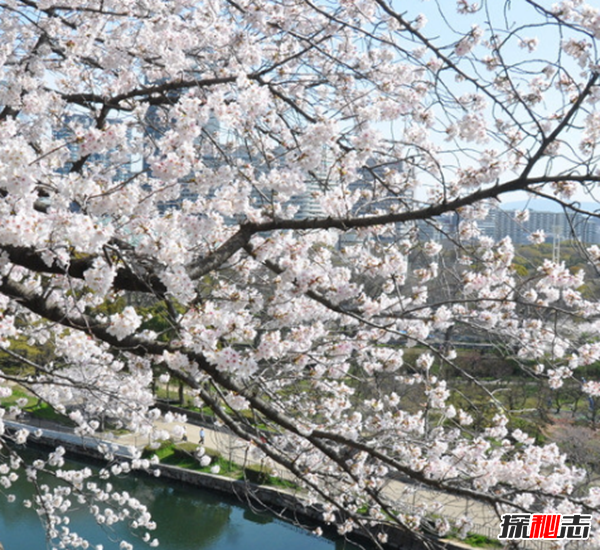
{"type": "Point", "coordinates": [187, 519]}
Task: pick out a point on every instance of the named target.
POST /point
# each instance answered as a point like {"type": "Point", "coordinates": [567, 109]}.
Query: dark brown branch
{"type": "Point", "coordinates": [202, 266]}
{"type": "Point", "coordinates": [145, 93]}
{"type": "Point", "coordinates": [125, 278]}
{"type": "Point", "coordinates": [565, 121]}
{"type": "Point", "coordinates": [247, 230]}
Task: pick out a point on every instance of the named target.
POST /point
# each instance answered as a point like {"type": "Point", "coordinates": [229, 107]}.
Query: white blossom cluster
{"type": "Point", "coordinates": [282, 206]}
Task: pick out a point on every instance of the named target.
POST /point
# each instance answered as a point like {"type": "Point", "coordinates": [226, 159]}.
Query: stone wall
{"type": "Point", "coordinates": [286, 503]}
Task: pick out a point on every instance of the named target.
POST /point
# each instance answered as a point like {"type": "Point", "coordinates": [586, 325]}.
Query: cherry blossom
{"type": "Point", "coordinates": [285, 208]}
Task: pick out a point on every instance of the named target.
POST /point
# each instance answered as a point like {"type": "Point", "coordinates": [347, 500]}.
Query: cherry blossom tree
{"type": "Point", "coordinates": [268, 182]}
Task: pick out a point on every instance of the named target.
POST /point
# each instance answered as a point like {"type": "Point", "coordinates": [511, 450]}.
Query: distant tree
{"type": "Point", "coordinates": [261, 173]}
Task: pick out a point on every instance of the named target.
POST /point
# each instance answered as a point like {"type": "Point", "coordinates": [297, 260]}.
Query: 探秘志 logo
{"type": "Point", "coordinates": [545, 526]}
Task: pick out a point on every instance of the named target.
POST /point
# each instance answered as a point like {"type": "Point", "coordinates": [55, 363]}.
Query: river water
{"type": "Point", "coordinates": [188, 519]}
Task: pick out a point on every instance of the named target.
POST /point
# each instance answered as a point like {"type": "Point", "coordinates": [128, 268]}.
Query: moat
{"type": "Point", "coordinates": [187, 518]}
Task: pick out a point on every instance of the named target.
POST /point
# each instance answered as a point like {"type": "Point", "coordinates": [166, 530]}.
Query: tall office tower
{"type": "Point", "coordinates": [308, 203]}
